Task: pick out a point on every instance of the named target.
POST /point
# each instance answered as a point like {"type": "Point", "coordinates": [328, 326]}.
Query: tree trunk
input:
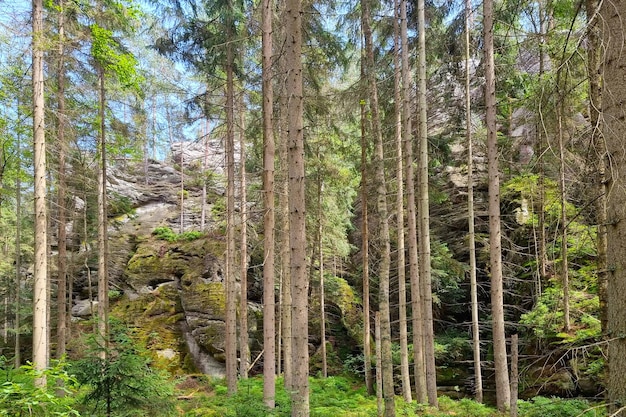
{"type": "Point", "coordinates": [62, 304]}
{"type": "Point", "coordinates": [381, 204]}
{"type": "Point", "coordinates": [231, 292]}
{"type": "Point", "coordinates": [103, 276]}
{"type": "Point", "coordinates": [495, 245]}
{"type": "Point", "coordinates": [514, 374]}
{"type": "Point", "coordinates": [243, 302]}
{"type": "Point", "coordinates": [367, 337]}
{"type": "Point", "coordinates": [562, 185]}
{"type": "Point", "coordinates": [40, 277]}
{"type": "Point", "coordinates": [595, 104]}
{"type": "Point", "coordinates": [320, 250]}
{"type": "Point", "coordinates": [416, 303]}
{"type": "Point", "coordinates": [612, 15]}
{"type": "Point", "coordinates": [17, 361]}
{"type": "Point", "coordinates": [297, 220]}
{"type": "Point", "coordinates": [401, 259]}
{"type": "Point", "coordinates": [424, 217]}
{"type": "Point", "coordinates": [269, 307]}
{"type": "Point", "coordinates": [478, 380]}
{"type": "Point", "coordinates": [379, 365]}
{"type": "Point", "coordinates": [205, 163]}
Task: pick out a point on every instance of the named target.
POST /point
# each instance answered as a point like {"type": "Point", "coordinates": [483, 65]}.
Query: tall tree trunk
{"type": "Point", "coordinates": [297, 223]}
{"type": "Point", "coordinates": [320, 253]}
{"type": "Point", "coordinates": [402, 324]}
{"type": "Point", "coordinates": [478, 379]}
{"type": "Point", "coordinates": [243, 197]}
{"type": "Point", "coordinates": [205, 167]}
{"type": "Point", "coordinates": [40, 274]}
{"type": "Point", "coordinates": [269, 307]}
{"type": "Point", "coordinates": [379, 365]}
{"type": "Point", "coordinates": [62, 303]}
{"type": "Point", "coordinates": [17, 357]}
{"type": "Point", "coordinates": [381, 204]}
{"type": "Point", "coordinates": [495, 244]}
{"type": "Point", "coordinates": [419, 371]}
{"type": "Point", "coordinates": [103, 276]}
{"type": "Point", "coordinates": [367, 345]}
{"type": "Point", "coordinates": [562, 185]}
{"type": "Point", "coordinates": [595, 104]}
{"type": "Point", "coordinates": [424, 216]}
{"type": "Point", "coordinates": [231, 291]}
{"type": "Point", "coordinates": [614, 37]}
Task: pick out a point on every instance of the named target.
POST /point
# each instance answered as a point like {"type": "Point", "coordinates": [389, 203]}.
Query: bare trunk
{"type": "Point", "coordinates": [595, 104]}
{"type": "Point", "coordinates": [62, 304]}
{"type": "Point", "coordinates": [381, 204]}
{"type": "Point", "coordinates": [269, 307]}
{"type": "Point", "coordinates": [297, 231]}
{"type": "Point", "coordinates": [320, 250]}
{"type": "Point", "coordinates": [497, 303]}
{"type": "Point", "coordinates": [404, 349]}
{"type": "Point", "coordinates": [243, 302]}
{"type": "Point", "coordinates": [205, 167]}
{"type": "Point", "coordinates": [478, 380]}
{"type": "Point", "coordinates": [103, 277]}
{"type": "Point", "coordinates": [40, 274]}
{"type": "Point", "coordinates": [514, 374]}
{"type": "Point", "coordinates": [564, 263]}
{"type": "Point", "coordinates": [614, 89]}
{"type": "Point", "coordinates": [231, 291]}
{"type": "Point", "coordinates": [379, 365]}
{"type": "Point", "coordinates": [367, 348]}
{"type": "Point", "coordinates": [424, 216]}
{"type": "Point", "coordinates": [17, 361]}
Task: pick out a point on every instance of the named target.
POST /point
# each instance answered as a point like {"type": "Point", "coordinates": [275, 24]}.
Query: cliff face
{"type": "Point", "coordinates": [167, 280]}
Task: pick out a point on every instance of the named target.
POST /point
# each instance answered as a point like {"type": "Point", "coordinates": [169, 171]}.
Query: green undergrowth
{"type": "Point", "coordinates": [340, 396]}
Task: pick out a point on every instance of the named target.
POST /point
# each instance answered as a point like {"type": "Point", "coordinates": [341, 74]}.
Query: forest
{"type": "Point", "coordinates": [312, 208]}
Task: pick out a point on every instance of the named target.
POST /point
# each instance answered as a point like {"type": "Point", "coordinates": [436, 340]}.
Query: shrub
{"type": "Point", "coordinates": [20, 396]}
{"type": "Point", "coordinates": [556, 407]}
{"type": "Point", "coordinates": [123, 381]}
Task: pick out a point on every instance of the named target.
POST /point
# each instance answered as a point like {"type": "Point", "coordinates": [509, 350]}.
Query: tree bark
{"type": "Point", "coordinates": [244, 348]}
{"type": "Point", "coordinates": [40, 274]}
{"type": "Point", "coordinates": [17, 357]}
{"type": "Point", "coordinates": [381, 205]}
{"type": "Point", "coordinates": [231, 291]}
{"type": "Point", "coordinates": [367, 337]}
{"type": "Point", "coordinates": [320, 250]}
{"type": "Point", "coordinates": [297, 219]}
{"type": "Point", "coordinates": [424, 216]}
{"type": "Point", "coordinates": [416, 302]}
{"type": "Point", "coordinates": [597, 139]}
{"type": "Point", "coordinates": [478, 380]}
{"type": "Point", "coordinates": [269, 307]}
{"type": "Point", "coordinates": [401, 258]}
{"type": "Point", "coordinates": [62, 303]}
{"type": "Point", "coordinates": [612, 15]}
{"type": "Point", "coordinates": [495, 252]}
{"type": "Point", "coordinates": [103, 277]}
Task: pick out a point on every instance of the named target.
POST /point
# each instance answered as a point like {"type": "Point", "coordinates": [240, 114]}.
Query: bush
{"type": "Point", "coordinates": [166, 233]}
{"type": "Point", "coordinates": [556, 407]}
{"type": "Point", "coordinates": [123, 381]}
{"type": "Point", "coordinates": [20, 396]}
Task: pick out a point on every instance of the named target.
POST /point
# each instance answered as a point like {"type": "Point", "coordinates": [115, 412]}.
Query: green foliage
{"type": "Point", "coordinates": [21, 396]}
{"type": "Point", "coordinates": [557, 407]}
{"type": "Point", "coordinates": [123, 381]}
{"type": "Point", "coordinates": [452, 346]}
{"type": "Point", "coordinates": [166, 233]}
{"type": "Point", "coordinates": [106, 51]}
{"type": "Point", "coordinates": [546, 317]}
{"type": "Point", "coordinates": [119, 205]}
